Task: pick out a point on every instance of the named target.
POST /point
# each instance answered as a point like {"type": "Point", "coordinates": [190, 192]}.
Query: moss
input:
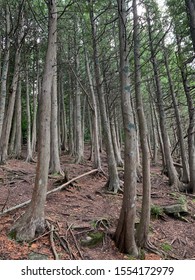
{"type": "Point", "coordinates": [93, 239]}
{"type": "Point", "coordinates": [12, 234]}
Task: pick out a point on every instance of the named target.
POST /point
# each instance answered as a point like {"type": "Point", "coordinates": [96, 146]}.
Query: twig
{"type": "Point", "coordinates": [40, 236]}
{"type": "Point", "coordinates": [76, 243]}
{"type": "Point", "coordinates": [51, 227]}
{"type": "Point", "coordinates": [49, 192]}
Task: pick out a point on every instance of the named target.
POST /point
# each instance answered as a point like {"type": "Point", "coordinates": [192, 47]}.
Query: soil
{"type": "Point", "coordinates": [84, 208]}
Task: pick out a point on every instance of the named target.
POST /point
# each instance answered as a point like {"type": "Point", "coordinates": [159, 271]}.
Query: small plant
{"type": "Point", "coordinates": [166, 247]}
{"type": "Point", "coordinates": [156, 211]}
{"type": "Point", "coordinates": [182, 199]}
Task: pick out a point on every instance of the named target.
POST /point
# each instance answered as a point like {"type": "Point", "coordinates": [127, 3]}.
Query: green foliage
{"type": "Point", "coordinates": [156, 211]}
{"type": "Point", "coordinates": [166, 247]}
{"type": "Point", "coordinates": [93, 239]}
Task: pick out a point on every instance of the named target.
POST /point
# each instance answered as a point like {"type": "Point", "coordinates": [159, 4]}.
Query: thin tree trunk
{"type": "Point", "coordinates": [143, 228]}
{"type": "Point", "coordinates": [191, 127]}
{"type": "Point", "coordinates": [95, 138]}
{"type": "Point", "coordinates": [172, 173]}
{"type": "Point", "coordinates": [4, 74]}
{"type": "Point", "coordinates": [18, 108]}
{"type": "Point", "coordinates": [185, 165]}
{"type": "Point", "coordinates": [29, 156]}
{"type": "Point", "coordinates": [113, 183]}
{"type": "Point", "coordinates": [4, 140]}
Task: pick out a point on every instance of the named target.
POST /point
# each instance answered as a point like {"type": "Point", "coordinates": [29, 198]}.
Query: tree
{"type": "Point", "coordinates": [124, 235]}
{"type": "Point", "coordinates": [33, 220]}
{"type": "Point", "coordinates": [190, 7]}
{"type": "Point", "coordinates": [143, 229]}
{"type": "Point", "coordinates": [113, 182]}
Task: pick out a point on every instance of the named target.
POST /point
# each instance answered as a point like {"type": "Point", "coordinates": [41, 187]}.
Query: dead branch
{"type": "Point", "coordinates": [49, 192]}
{"type": "Point", "coordinates": [75, 241]}
{"type": "Point", "coordinates": [51, 227]}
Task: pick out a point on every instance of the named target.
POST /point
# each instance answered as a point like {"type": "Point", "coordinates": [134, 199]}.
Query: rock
{"type": "Point", "coordinates": [176, 209]}
{"type": "Point", "coordinates": [37, 256]}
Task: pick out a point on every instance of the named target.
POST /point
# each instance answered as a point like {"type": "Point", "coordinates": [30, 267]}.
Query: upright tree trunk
{"type": "Point", "coordinates": [33, 220]}
{"type": "Point", "coordinates": [143, 228]}
{"type": "Point", "coordinates": [29, 156]}
{"type": "Point", "coordinates": [124, 235]}
{"type": "Point", "coordinates": [95, 131]}
{"type": "Point", "coordinates": [54, 143]}
{"type": "Point", "coordinates": [4, 140]}
{"type": "Point", "coordinates": [5, 70]}
{"type": "Point", "coordinates": [78, 116]}
{"type": "Point", "coordinates": [190, 7]}
{"type": "Point", "coordinates": [113, 184]}
{"type": "Point", "coordinates": [18, 108]}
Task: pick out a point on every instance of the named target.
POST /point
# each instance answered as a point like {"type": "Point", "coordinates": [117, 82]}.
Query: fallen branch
{"type": "Point", "coordinates": [75, 241]}
{"type": "Point", "coordinates": [51, 227]}
{"type": "Point", "coordinates": [49, 192]}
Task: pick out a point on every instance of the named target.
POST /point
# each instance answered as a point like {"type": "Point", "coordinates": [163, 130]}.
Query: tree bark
{"type": "Point", "coordinates": [33, 220]}
{"type": "Point", "coordinates": [143, 228]}
{"type": "Point", "coordinates": [113, 184]}
{"type": "Point", "coordinates": [124, 235]}
{"type": "Point", "coordinates": [172, 173]}
{"type": "Point", "coordinates": [5, 69]}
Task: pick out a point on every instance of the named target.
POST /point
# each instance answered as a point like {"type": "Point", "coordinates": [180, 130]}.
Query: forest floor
{"type": "Point", "coordinates": [83, 216]}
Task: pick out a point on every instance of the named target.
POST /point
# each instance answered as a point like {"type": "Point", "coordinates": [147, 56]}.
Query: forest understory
{"type": "Point", "coordinates": [82, 217]}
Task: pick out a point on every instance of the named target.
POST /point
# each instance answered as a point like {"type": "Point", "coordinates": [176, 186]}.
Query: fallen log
{"type": "Point", "coordinates": [49, 192]}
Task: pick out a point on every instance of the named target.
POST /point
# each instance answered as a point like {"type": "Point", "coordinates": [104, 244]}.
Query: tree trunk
{"type": "Point", "coordinates": [185, 165]}
{"type": "Point", "coordinates": [124, 235]}
{"type": "Point", "coordinates": [18, 108]}
{"type": "Point", "coordinates": [191, 127]}
{"type": "Point", "coordinates": [143, 228]}
{"type": "Point", "coordinates": [172, 173]}
{"type": "Point", "coordinates": [29, 147]}
{"type": "Point", "coordinates": [33, 220]}
{"type": "Point", "coordinates": [4, 140]}
{"type": "Point", "coordinates": [190, 7]}
{"type": "Point", "coordinates": [113, 184]}
{"type": "Point", "coordinates": [95, 131]}
{"type": "Point", "coordinates": [5, 69]}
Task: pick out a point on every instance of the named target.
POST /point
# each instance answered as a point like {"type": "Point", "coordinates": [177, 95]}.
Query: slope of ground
{"type": "Point", "coordinates": [83, 210]}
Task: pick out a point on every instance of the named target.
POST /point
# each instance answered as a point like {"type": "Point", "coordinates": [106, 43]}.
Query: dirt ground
{"type": "Point", "coordinates": [83, 209]}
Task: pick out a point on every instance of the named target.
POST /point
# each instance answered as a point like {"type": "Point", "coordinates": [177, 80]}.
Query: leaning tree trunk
{"type": "Point", "coordinates": [172, 173]}
{"type": "Point", "coordinates": [143, 228]}
{"type": "Point", "coordinates": [185, 165]}
{"type": "Point", "coordinates": [191, 127]}
{"type": "Point", "coordinates": [113, 183]}
{"type": "Point", "coordinates": [33, 220]}
{"type": "Point", "coordinates": [124, 235]}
